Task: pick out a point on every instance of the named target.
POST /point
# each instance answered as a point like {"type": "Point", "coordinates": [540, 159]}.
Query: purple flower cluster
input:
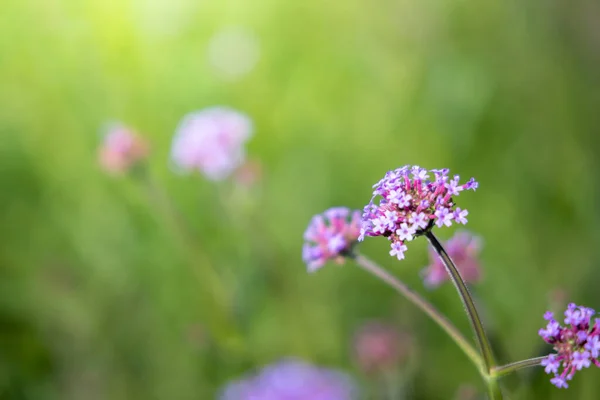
{"type": "Point", "coordinates": [211, 141]}
{"type": "Point", "coordinates": [464, 250]}
{"type": "Point", "coordinates": [330, 236]}
{"type": "Point", "coordinates": [292, 380]}
{"type": "Point", "coordinates": [577, 345]}
{"type": "Point", "coordinates": [411, 203]}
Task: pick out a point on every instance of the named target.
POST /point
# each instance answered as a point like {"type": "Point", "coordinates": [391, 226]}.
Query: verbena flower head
{"type": "Point", "coordinates": [577, 344]}
{"type": "Point", "coordinates": [292, 380]}
{"type": "Point", "coordinates": [412, 200]}
{"type": "Point", "coordinates": [380, 346]}
{"type": "Point", "coordinates": [211, 141]}
{"type": "Point", "coordinates": [121, 149]}
{"type": "Point", "coordinates": [330, 236]}
{"type": "Point", "coordinates": [464, 250]}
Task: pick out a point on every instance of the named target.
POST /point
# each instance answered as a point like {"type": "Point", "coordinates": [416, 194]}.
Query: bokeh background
{"type": "Point", "coordinates": [102, 296]}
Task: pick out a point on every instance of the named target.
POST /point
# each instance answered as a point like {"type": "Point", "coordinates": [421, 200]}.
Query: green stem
{"type": "Point", "coordinates": [493, 388]}
{"type": "Point", "coordinates": [213, 290]}
{"type": "Point", "coordinates": [425, 306]}
{"type": "Point", "coordinates": [482, 340]}
{"type": "Point", "coordinates": [467, 300]}
{"type": "Point", "coordinates": [515, 366]}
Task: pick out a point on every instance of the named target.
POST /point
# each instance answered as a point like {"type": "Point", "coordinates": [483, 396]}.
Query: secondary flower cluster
{"type": "Point", "coordinates": [577, 345]}
{"type": "Point", "coordinates": [411, 203]}
{"type": "Point", "coordinates": [211, 141]}
{"type": "Point", "coordinates": [463, 248]}
{"type": "Point", "coordinates": [292, 380]}
{"type": "Point", "coordinates": [121, 149]}
{"type": "Point", "coordinates": [330, 236]}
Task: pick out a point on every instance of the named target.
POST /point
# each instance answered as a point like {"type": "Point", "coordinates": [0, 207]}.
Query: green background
{"type": "Point", "coordinates": [102, 298]}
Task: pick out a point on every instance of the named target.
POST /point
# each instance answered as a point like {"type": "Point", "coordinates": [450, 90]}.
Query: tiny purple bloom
{"type": "Point", "coordinates": [559, 382]}
{"type": "Point", "coordinates": [460, 216]}
{"type": "Point", "coordinates": [404, 201]}
{"type": "Point", "coordinates": [444, 217]}
{"type": "Point", "coordinates": [398, 249]}
{"type": "Point", "coordinates": [419, 220]}
{"type": "Point", "coordinates": [405, 232]}
{"type": "Point", "coordinates": [551, 364]}
{"type": "Point", "coordinates": [552, 330]}
{"type": "Point", "coordinates": [419, 173]}
{"type": "Point", "coordinates": [581, 360]}
{"type": "Point", "coordinates": [453, 187]}
{"type": "Point", "coordinates": [593, 345]}
{"type": "Point", "coordinates": [472, 184]}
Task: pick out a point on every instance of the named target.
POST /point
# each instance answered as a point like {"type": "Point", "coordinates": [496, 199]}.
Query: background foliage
{"type": "Point", "coordinates": [97, 297]}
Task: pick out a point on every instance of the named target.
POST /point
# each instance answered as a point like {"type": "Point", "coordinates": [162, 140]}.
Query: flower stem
{"type": "Point", "coordinates": [493, 388]}
{"type": "Point", "coordinates": [482, 340]}
{"type": "Point", "coordinates": [213, 290]}
{"type": "Point", "coordinates": [425, 306]}
{"type": "Point", "coordinates": [515, 366]}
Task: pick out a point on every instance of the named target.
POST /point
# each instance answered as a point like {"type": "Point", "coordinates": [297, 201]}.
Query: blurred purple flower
{"type": "Point", "coordinates": [577, 345]}
{"type": "Point", "coordinates": [211, 141]}
{"type": "Point", "coordinates": [121, 149]}
{"type": "Point", "coordinates": [292, 380]}
{"type": "Point", "coordinates": [411, 204]}
{"type": "Point", "coordinates": [330, 236]}
{"type": "Point", "coordinates": [464, 250]}
{"type": "Point", "coordinates": [380, 346]}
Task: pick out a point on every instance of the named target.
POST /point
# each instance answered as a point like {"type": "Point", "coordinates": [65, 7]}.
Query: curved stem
{"type": "Point", "coordinates": [425, 306]}
{"type": "Point", "coordinates": [515, 366]}
{"type": "Point", "coordinates": [482, 340]}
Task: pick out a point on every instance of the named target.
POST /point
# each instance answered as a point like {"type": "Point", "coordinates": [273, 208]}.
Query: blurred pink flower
{"type": "Point", "coordinates": [380, 346]}
{"type": "Point", "coordinates": [330, 236]}
{"type": "Point", "coordinates": [121, 149]}
{"type": "Point", "coordinates": [211, 141]}
{"type": "Point", "coordinates": [249, 174]}
{"type": "Point", "coordinates": [464, 250]}
{"type": "Point", "coordinates": [466, 391]}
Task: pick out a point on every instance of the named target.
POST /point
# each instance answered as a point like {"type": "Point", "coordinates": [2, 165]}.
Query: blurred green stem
{"type": "Point", "coordinates": [515, 366]}
{"type": "Point", "coordinates": [482, 340]}
{"type": "Point", "coordinates": [425, 306]}
{"type": "Point", "coordinates": [213, 290]}
{"type": "Point", "coordinates": [493, 388]}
